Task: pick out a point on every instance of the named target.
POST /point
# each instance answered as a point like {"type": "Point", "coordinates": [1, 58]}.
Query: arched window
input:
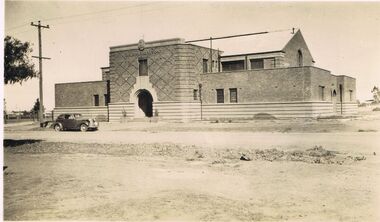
{"type": "Point", "coordinates": [300, 58]}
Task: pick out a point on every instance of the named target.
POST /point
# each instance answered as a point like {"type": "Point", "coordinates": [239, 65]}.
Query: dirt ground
{"type": "Point", "coordinates": [326, 170]}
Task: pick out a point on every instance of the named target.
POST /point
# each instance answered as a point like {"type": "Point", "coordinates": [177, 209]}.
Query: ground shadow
{"type": "Point", "coordinates": [13, 143]}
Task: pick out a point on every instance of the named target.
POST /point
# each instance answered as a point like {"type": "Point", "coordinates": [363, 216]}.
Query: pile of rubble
{"type": "Point", "coordinates": [317, 155]}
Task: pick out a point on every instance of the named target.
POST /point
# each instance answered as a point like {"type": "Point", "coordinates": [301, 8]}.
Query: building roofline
{"type": "Point", "coordinates": [149, 44]}
{"type": "Point", "coordinates": [247, 54]}
{"type": "Point", "coordinates": [345, 76]}
{"type": "Point", "coordinates": [220, 51]}
{"type": "Point", "coordinates": [80, 82]}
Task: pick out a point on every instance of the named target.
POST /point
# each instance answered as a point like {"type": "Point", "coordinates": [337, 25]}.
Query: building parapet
{"type": "Point", "coordinates": [263, 70]}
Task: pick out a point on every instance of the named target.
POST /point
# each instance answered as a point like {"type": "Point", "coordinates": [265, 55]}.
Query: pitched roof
{"type": "Point", "coordinates": [269, 42]}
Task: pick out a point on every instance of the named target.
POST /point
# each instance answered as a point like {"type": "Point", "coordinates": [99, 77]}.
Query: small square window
{"type": "Point", "coordinates": [257, 64]}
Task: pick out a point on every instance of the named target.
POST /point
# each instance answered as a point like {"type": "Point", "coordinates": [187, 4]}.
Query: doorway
{"type": "Point", "coordinates": [145, 102]}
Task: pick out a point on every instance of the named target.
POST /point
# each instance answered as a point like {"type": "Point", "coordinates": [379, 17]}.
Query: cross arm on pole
{"type": "Point", "coordinates": [37, 57]}
{"type": "Point", "coordinates": [39, 25]}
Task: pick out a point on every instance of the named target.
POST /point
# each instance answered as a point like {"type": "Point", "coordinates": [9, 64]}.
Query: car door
{"type": "Point", "coordinates": [69, 121]}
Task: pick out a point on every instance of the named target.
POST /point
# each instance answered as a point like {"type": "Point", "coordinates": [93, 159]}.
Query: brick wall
{"type": "Point", "coordinates": [348, 83]}
{"type": "Point", "coordinates": [322, 78]}
{"type": "Point", "coordinates": [79, 94]}
{"type": "Point", "coordinates": [105, 73]}
{"type": "Point", "coordinates": [291, 52]}
{"type": "Point", "coordinates": [270, 85]}
{"type": "Point", "coordinates": [173, 71]}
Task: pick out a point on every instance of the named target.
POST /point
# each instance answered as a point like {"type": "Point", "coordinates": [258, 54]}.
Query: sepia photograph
{"type": "Point", "coordinates": [191, 111]}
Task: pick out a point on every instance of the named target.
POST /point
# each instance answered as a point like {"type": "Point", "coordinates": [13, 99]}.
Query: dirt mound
{"type": "Point", "coordinates": [263, 116]}
{"type": "Point", "coordinates": [317, 154]}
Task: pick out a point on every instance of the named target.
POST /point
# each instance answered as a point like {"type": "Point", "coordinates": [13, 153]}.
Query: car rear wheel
{"type": "Point", "coordinates": [57, 127]}
{"type": "Point", "coordinates": [83, 127]}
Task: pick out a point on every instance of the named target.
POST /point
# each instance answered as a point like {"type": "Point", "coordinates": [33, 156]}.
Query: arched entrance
{"type": "Point", "coordinates": [145, 102]}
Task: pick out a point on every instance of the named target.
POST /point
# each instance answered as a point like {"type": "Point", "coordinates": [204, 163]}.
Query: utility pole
{"type": "Point", "coordinates": [41, 111]}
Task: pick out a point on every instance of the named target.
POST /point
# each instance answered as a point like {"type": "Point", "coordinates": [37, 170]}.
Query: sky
{"type": "Point", "coordinates": [343, 37]}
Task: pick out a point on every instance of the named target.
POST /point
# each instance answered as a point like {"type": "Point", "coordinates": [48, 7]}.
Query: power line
{"type": "Point", "coordinates": [79, 15]}
{"type": "Point", "coordinates": [94, 13]}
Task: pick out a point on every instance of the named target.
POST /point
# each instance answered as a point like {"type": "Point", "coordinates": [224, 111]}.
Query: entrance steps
{"type": "Point", "coordinates": [144, 119]}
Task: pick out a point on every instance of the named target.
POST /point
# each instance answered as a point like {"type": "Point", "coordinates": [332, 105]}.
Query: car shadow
{"type": "Point", "coordinates": [13, 143]}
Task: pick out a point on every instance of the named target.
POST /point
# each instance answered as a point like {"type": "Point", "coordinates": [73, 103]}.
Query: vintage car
{"type": "Point", "coordinates": [74, 121]}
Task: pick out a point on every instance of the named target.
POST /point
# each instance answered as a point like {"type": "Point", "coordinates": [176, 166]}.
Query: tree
{"type": "Point", "coordinates": [376, 94]}
{"type": "Point", "coordinates": [36, 106]}
{"type": "Point", "coordinates": [17, 66]}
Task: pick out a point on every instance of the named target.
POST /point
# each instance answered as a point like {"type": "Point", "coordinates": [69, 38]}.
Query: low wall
{"type": "Point", "coordinates": [347, 109]}
{"type": "Point", "coordinates": [165, 110]}
{"type": "Point", "coordinates": [277, 110]}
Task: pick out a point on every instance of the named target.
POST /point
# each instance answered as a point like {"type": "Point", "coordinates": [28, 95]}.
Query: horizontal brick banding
{"type": "Point", "coordinates": [98, 112]}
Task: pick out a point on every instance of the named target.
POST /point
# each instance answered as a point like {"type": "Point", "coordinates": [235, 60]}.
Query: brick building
{"type": "Point", "coordinates": [172, 79]}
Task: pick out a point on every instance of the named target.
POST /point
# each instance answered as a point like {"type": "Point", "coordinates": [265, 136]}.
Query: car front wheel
{"type": "Point", "coordinates": [83, 127]}
{"type": "Point", "coordinates": [57, 127]}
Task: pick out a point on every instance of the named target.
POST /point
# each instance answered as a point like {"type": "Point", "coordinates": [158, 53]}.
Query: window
{"type": "Point", "coordinates": [233, 95]}
{"type": "Point", "coordinates": [300, 58]}
{"type": "Point", "coordinates": [233, 65]}
{"type": "Point", "coordinates": [322, 93]}
{"type": "Point", "coordinates": [220, 95]}
{"type": "Point", "coordinates": [195, 94]}
{"type": "Point", "coordinates": [96, 100]}
{"type": "Point", "coordinates": [143, 67]}
{"type": "Point", "coordinates": [106, 99]}
{"type": "Point", "coordinates": [270, 63]}
{"type": "Point", "coordinates": [351, 95]}
{"type": "Point", "coordinates": [205, 68]}
{"type": "Point", "coordinates": [257, 64]}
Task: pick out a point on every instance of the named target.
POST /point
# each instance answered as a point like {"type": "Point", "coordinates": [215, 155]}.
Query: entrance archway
{"type": "Point", "coordinates": [145, 102]}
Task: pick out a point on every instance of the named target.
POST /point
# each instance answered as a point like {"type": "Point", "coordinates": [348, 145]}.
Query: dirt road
{"type": "Point", "coordinates": [363, 142]}
{"type": "Point", "coordinates": [190, 176]}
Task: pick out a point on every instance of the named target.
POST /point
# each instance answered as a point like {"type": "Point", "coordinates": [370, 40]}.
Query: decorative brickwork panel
{"type": "Point", "coordinates": [124, 69]}
{"type": "Point", "coordinates": [201, 53]}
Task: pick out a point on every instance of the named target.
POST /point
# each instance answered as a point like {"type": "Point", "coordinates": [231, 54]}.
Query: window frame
{"type": "Point", "coordinates": [351, 94]}
{"type": "Point", "coordinates": [205, 65]}
{"type": "Point", "coordinates": [300, 58]}
{"type": "Point", "coordinates": [256, 60]}
{"type": "Point", "coordinates": [219, 95]}
{"type": "Point", "coordinates": [236, 95]}
{"type": "Point", "coordinates": [226, 65]}
{"type": "Point", "coordinates": [195, 94]}
{"type": "Point", "coordinates": [141, 60]}
{"type": "Point", "coordinates": [96, 100]}
{"type": "Point", "coordinates": [321, 93]}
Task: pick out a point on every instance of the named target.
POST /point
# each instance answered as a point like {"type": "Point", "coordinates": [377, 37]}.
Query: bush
{"type": "Point", "coordinates": [264, 116]}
